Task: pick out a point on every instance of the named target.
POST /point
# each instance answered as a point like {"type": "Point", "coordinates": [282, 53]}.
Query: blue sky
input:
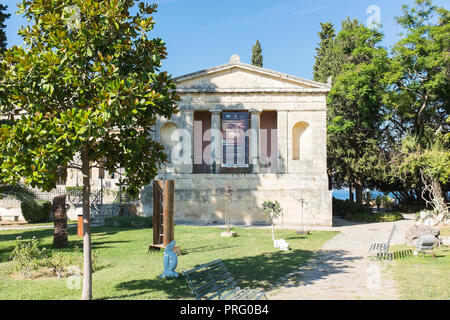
{"type": "Point", "coordinates": [204, 33]}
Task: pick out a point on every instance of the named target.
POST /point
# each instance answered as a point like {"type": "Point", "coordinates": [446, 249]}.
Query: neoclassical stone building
{"type": "Point", "coordinates": [260, 131]}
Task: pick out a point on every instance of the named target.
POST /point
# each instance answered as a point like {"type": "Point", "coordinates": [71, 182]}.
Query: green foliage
{"type": "Point", "coordinates": [377, 99]}
{"type": "Point", "coordinates": [272, 210]}
{"type": "Point", "coordinates": [28, 255]}
{"type": "Point", "coordinates": [419, 70]}
{"type": "Point", "coordinates": [129, 221]}
{"type": "Point", "coordinates": [36, 211]}
{"type": "Point", "coordinates": [70, 189]}
{"type": "Point", "coordinates": [18, 192]}
{"type": "Point", "coordinates": [344, 208]}
{"type": "Point", "coordinates": [357, 62]}
{"type": "Point", "coordinates": [378, 201]}
{"type": "Point", "coordinates": [72, 86]}
{"type": "Point", "coordinates": [376, 217]}
{"type": "Point", "coordinates": [257, 58]}
{"type": "Point", "coordinates": [433, 160]}
{"type": "Point", "coordinates": [3, 17]}
{"type": "Point", "coordinates": [326, 64]}
{"type": "Point", "coordinates": [31, 259]}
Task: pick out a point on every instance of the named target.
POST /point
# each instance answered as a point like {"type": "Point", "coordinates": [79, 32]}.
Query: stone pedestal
{"type": "Point", "coordinates": [228, 234]}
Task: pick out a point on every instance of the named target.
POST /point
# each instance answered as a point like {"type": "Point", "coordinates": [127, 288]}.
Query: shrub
{"type": "Point", "coordinates": [32, 260]}
{"type": "Point", "coordinates": [344, 208]}
{"type": "Point", "coordinates": [36, 211]}
{"type": "Point", "coordinates": [129, 221]}
{"type": "Point", "coordinates": [28, 255]}
{"type": "Point", "coordinates": [376, 217]}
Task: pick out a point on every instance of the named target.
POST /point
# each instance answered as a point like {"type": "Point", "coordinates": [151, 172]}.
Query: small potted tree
{"type": "Point", "coordinates": [227, 193]}
{"type": "Point", "coordinates": [273, 210]}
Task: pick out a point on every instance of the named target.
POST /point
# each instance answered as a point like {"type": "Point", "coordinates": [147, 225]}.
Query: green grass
{"type": "Point", "coordinates": [128, 271]}
{"type": "Point", "coordinates": [422, 277]}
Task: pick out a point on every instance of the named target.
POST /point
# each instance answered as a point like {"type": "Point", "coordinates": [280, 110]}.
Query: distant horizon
{"type": "Point", "coordinates": [343, 194]}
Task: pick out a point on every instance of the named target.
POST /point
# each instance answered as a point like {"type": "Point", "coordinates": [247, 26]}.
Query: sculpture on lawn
{"type": "Point", "coordinates": [170, 260]}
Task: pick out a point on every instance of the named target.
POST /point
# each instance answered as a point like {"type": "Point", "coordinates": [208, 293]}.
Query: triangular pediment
{"type": "Point", "coordinates": [244, 77]}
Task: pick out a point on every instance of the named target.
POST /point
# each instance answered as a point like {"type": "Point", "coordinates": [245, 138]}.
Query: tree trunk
{"type": "Point", "coordinates": [273, 234]}
{"type": "Point", "coordinates": [60, 235]}
{"type": "Point", "coordinates": [350, 191]}
{"type": "Point", "coordinates": [87, 257]}
{"type": "Point", "coordinates": [438, 196]}
{"type": "Point", "coordinates": [359, 193]}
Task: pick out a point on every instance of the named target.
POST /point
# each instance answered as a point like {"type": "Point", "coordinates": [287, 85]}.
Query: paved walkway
{"type": "Point", "coordinates": [340, 271]}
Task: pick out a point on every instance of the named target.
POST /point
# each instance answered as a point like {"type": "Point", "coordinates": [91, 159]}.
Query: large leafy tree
{"type": "Point", "coordinates": [3, 17]}
{"type": "Point", "coordinates": [431, 161]}
{"type": "Point", "coordinates": [86, 89]}
{"type": "Point", "coordinates": [257, 58]}
{"type": "Point", "coordinates": [417, 102]}
{"type": "Point", "coordinates": [420, 71]}
{"type": "Point", "coordinates": [357, 62]}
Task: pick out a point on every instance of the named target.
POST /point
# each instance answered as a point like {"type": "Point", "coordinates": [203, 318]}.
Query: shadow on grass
{"type": "Point", "coordinates": [298, 270]}
{"type": "Point", "coordinates": [6, 251]}
{"type": "Point", "coordinates": [402, 254]}
{"type": "Point", "coordinates": [216, 247]}
{"type": "Point", "coordinates": [174, 288]}
{"type": "Point", "coordinates": [253, 272]}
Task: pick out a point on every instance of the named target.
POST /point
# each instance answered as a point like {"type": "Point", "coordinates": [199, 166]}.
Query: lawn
{"type": "Point", "coordinates": [422, 277]}
{"type": "Point", "coordinates": [127, 271]}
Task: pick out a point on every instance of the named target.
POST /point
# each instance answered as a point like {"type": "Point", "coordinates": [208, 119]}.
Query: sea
{"type": "Point", "coordinates": [343, 194]}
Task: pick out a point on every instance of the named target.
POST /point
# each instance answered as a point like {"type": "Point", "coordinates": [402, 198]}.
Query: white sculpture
{"type": "Point", "coordinates": [281, 244]}
{"type": "Point", "coordinates": [170, 262]}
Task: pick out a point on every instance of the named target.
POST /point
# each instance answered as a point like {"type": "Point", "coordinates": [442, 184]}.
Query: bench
{"type": "Point", "coordinates": [16, 217]}
{"type": "Point", "coordinates": [213, 281]}
{"type": "Point", "coordinates": [426, 242]}
{"type": "Point", "coordinates": [381, 249]}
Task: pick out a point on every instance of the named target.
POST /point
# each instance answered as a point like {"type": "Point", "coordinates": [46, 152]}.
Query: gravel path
{"type": "Point", "coordinates": [340, 270]}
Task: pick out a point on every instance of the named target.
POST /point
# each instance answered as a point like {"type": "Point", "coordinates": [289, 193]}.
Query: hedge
{"type": "Point", "coordinates": [36, 211]}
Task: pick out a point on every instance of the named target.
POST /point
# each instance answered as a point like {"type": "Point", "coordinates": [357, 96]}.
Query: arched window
{"type": "Point", "coordinates": [297, 132]}
{"type": "Point", "coordinates": [166, 132]}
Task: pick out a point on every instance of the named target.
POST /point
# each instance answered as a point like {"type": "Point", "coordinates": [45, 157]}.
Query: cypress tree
{"type": "Point", "coordinates": [257, 58]}
{"type": "Point", "coordinates": [326, 64]}
{"type": "Point", "coordinates": [3, 17]}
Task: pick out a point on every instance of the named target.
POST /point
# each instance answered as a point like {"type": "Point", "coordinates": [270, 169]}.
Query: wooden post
{"type": "Point", "coordinates": [80, 226]}
{"type": "Point", "coordinates": [163, 215]}
{"type": "Point", "coordinates": [60, 236]}
{"type": "Point", "coordinates": [168, 209]}
{"type": "Point", "coordinates": [157, 212]}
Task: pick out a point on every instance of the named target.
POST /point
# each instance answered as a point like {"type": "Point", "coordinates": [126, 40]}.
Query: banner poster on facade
{"type": "Point", "coordinates": [235, 139]}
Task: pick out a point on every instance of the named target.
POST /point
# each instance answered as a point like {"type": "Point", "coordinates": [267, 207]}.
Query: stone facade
{"type": "Point", "coordinates": [293, 108]}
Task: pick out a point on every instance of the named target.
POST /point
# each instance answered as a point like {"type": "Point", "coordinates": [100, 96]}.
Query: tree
{"type": "Point", "coordinates": [420, 71]}
{"type": "Point", "coordinates": [431, 162]}
{"type": "Point", "coordinates": [18, 192]}
{"type": "Point", "coordinates": [272, 210]}
{"type": "Point", "coordinates": [417, 102]}
{"type": "Point", "coordinates": [3, 17]}
{"type": "Point", "coordinates": [357, 63]}
{"type": "Point", "coordinates": [81, 93]}
{"type": "Point", "coordinates": [326, 64]}
{"type": "Point", "coordinates": [257, 58]}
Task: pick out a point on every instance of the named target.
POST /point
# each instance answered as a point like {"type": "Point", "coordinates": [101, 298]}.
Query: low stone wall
{"type": "Point", "coordinates": [198, 198]}
{"type": "Point", "coordinates": [10, 208]}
